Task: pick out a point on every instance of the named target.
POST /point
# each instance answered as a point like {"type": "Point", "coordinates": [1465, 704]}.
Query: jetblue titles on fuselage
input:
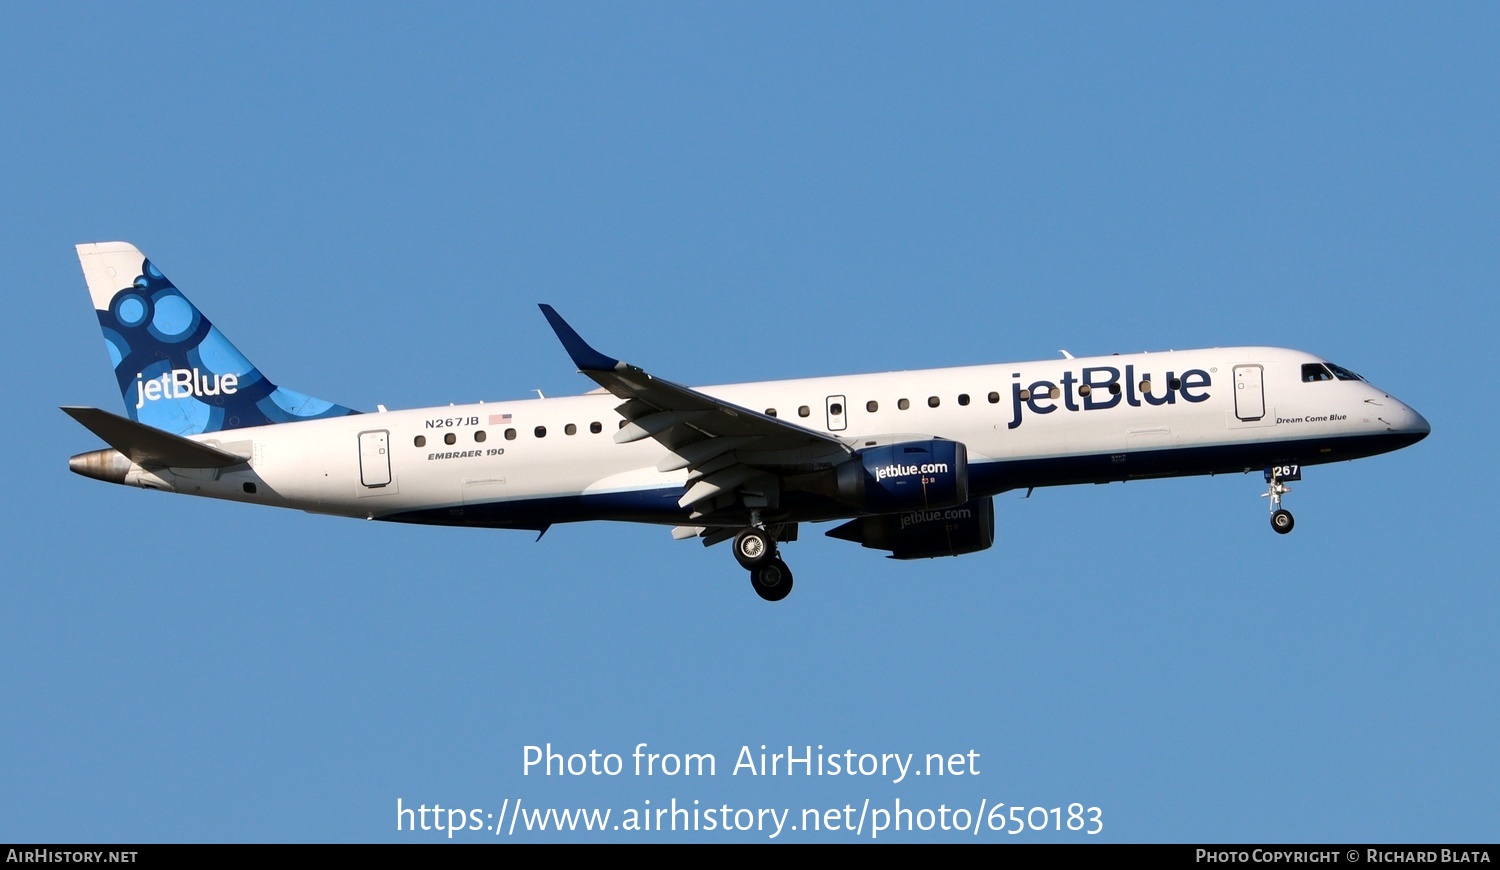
{"type": "Point", "coordinates": [1098, 388]}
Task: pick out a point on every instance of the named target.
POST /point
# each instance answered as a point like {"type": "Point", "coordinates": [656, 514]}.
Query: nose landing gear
{"type": "Point", "coordinates": [1281, 518]}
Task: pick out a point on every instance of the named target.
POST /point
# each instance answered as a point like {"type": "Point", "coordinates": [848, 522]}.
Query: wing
{"type": "Point", "coordinates": [736, 458]}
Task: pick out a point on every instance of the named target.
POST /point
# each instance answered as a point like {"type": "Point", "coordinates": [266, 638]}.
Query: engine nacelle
{"type": "Point", "coordinates": [926, 534]}
{"type": "Point", "coordinates": [907, 476]}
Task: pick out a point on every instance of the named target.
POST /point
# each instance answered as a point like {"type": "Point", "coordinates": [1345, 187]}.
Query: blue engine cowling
{"type": "Point", "coordinates": [925, 534]}
{"type": "Point", "coordinates": [907, 476]}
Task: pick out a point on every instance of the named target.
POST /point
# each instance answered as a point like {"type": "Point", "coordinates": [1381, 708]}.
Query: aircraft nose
{"type": "Point", "coordinates": [1419, 425]}
{"type": "Point", "coordinates": [1409, 422]}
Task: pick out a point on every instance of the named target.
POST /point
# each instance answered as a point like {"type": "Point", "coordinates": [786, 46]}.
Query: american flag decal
{"type": "Point", "coordinates": [497, 419]}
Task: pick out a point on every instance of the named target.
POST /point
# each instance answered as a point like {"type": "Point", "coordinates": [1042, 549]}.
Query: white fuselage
{"type": "Point", "coordinates": [530, 463]}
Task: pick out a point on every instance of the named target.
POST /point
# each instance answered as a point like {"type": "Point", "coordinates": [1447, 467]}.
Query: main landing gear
{"type": "Point", "coordinates": [755, 549]}
{"type": "Point", "coordinates": [1281, 518]}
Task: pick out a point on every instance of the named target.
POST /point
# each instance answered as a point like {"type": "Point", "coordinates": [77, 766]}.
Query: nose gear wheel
{"type": "Point", "coordinates": [1281, 518]}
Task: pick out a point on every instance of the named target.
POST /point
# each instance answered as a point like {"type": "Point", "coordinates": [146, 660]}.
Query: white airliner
{"type": "Point", "coordinates": [910, 460]}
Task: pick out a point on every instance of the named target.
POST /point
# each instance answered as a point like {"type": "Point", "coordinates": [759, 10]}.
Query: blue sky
{"type": "Point", "coordinates": [370, 199]}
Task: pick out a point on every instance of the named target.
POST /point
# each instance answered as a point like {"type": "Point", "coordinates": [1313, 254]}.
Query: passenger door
{"type": "Point", "coordinates": [374, 458]}
{"type": "Point", "coordinates": [1249, 395]}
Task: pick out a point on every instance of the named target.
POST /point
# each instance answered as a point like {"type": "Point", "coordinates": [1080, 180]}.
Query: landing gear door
{"type": "Point", "coordinates": [838, 414]}
{"type": "Point", "coordinates": [1249, 395]}
{"type": "Point", "coordinates": [375, 458]}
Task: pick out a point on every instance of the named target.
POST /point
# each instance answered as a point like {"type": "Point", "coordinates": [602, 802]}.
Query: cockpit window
{"type": "Point", "coordinates": [1344, 374]}
{"type": "Point", "coordinates": [1315, 372]}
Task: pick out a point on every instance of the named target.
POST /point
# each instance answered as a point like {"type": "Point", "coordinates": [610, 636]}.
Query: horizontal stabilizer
{"type": "Point", "coordinates": [150, 447]}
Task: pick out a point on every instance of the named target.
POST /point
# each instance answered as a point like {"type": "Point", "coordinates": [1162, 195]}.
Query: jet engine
{"type": "Point", "coordinates": [906, 476]}
{"type": "Point", "coordinates": [926, 534]}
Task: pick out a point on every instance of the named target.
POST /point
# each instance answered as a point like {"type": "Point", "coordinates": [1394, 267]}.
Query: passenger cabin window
{"type": "Point", "coordinates": [541, 431]}
{"type": "Point", "coordinates": [770, 412]}
{"type": "Point", "coordinates": [480, 436]}
{"type": "Point", "coordinates": [963, 398]}
{"type": "Point", "coordinates": [872, 406]}
{"type": "Point", "coordinates": [1315, 372]}
{"type": "Point", "coordinates": [450, 438]}
{"type": "Point", "coordinates": [510, 434]}
{"type": "Point", "coordinates": [596, 428]}
{"type": "Point", "coordinates": [420, 441]}
{"type": "Point", "coordinates": [903, 404]}
{"type": "Point", "coordinates": [835, 409]}
{"type": "Point", "coordinates": [993, 398]}
{"type": "Point", "coordinates": [933, 401]}
{"type": "Point", "coordinates": [803, 411]}
{"type": "Point", "coordinates": [570, 429]}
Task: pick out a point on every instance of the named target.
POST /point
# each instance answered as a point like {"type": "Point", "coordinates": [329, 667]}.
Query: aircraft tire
{"type": "Point", "coordinates": [753, 548]}
{"type": "Point", "coordinates": [1282, 521]}
{"type": "Point", "coordinates": [772, 581]}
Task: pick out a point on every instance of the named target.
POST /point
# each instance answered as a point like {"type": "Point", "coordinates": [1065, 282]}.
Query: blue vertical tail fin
{"type": "Point", "coordinates": [176, 371]}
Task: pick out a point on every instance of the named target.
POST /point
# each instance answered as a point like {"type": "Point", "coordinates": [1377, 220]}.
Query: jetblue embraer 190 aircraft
{"type": "Point", "coordinates": [910, 461]}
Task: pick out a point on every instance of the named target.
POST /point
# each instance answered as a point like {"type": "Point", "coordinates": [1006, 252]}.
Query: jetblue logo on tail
{"type": "Point", "coordinates": [182, 384]}
{"type": "Point", "coordinates": [175, 370]}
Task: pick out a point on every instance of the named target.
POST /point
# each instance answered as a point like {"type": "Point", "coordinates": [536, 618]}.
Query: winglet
{"type": "Point", "coordinates": [585, 357]}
